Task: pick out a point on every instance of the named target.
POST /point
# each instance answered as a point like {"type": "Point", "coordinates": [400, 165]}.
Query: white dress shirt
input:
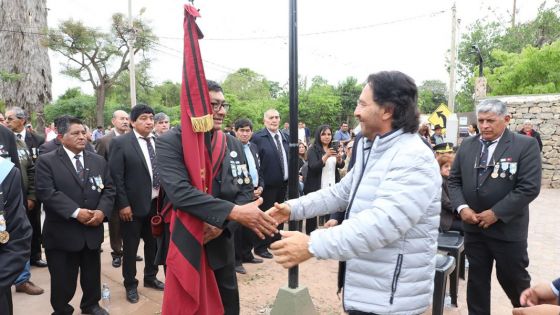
{"type": "Point", "coordinates": [144, 146]}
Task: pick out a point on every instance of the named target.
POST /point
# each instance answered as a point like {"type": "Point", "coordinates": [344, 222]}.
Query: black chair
{"type": "Point", "coordinates": [453, 243]}
{"type": "Point", "coordinates": [445, 265]}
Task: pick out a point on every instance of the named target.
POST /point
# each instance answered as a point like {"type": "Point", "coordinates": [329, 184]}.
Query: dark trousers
{"type": "Point", "coordinates": [310, 225]}
{"type": "Point", "coordinates": [511, 270]}
{"type": "Point", "coordinates": [6, 306]}
{"type": "Point", "coordinates": [227, 285]}
{"type": "Point", "coordinates": [63, 268]}
{"type": "Point", "coordinates": [115, 234]}
{"type": "Point", "coordinates": [131, 232]}
{"type": "Point", "coordinates": [271, 195]}
{"type": "Point", "coordinates": [244, 240]}
{"type": "Point", "coordinates": [34, 216]}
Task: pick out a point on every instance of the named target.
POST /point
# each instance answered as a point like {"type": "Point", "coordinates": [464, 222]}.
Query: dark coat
{"type": "Point", "coordinates": [33, 142]}
{"type": "Point", "coordinates": [447, 215]}
{"type": "Point", "coordinates": [102, 144]}
{"type": "Point", "coordinates": [131, 177]}
{"type": "Point", "coordinates": [212, 209]}
{"type": "Point", "coordinates": [315, 169]}
{"type": "Point", "coordinates": [15, 253]}
{"type": "Point", "coordinates": [255, 152]}
{"type": "Point", "coordinates": [535, 135]}
{"type": "Point", "coordinates": [268, 154]}
{"type": "Point", "coordinates": [62, 192]}
{"type": "Point", "coordinates": [508, 198]}
{"type": "Point", "coordinates": [8, 147]}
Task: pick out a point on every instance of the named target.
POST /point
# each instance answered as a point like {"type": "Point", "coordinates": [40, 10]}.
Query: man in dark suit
{"type": "Point", "coordinates": [245, 238]}
{"type": "Point", "coordinates": [120, 127]}
{"type": "Point", "coordinates": [14, 252]}
{"type": "Point", "coordinates": [273, 154]}
{"type": "Point", "coordinates": [136, 178]}
{"type": "Point", "coordinates": [55, 143]}
{"type": "Point", "coordinates": [493, 199]}
{"type": "Point", "coordinates": [17, 119]}
{"type": "Point", "coordinates": [77, 192]}
{"type": "Point", "coordinates": [231, 187]}
{"type": "Point", "coordinates": [8, 147]}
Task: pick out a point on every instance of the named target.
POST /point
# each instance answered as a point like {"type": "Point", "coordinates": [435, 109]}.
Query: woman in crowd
{"type": "Point", "coordinates": [323, 161]}
{"type": "Point", "coordinates": [472, 128]}
{"type": "Point", "coordinates": [424, 132]}
{"type": "Point", "coordinates": [448, 219]}
{"type": "Point", "coordinates": [302, 165]}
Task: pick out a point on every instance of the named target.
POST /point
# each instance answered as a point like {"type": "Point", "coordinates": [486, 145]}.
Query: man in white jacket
{"type": "Point", "coordinates": [391, 200]}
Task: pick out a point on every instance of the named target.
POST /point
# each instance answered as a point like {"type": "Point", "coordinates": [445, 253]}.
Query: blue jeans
{"type": "Point", "coordinates": [25, 275]}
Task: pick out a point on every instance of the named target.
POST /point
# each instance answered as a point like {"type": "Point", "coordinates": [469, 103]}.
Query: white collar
{"type": "Point", "coordinates": [139, 136]}
{"type": "Point", "coordinates": [72, 154]}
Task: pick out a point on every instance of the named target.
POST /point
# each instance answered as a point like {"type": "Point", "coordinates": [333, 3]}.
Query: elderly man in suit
{"type": "Point", "coordinates": [136, 178]}
{"type": "Point", "coordinates": [17, 119]}
{"type": "Point", "coordinates": [273, 154]}
{"type": "Point", "coordinates": [77, 192]}
{"type": "Point", "coordinates": [245, 238]}
{"type": "Point", "coordinates": [121, 126]}
{"type": "Point", "coordinates": [493, 179]}
{"type": "Point", "coordinates": [53, 144]}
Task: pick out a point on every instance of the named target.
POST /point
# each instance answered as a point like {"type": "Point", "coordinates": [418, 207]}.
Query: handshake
{"type": "Point", "coordinates": [261, 223]}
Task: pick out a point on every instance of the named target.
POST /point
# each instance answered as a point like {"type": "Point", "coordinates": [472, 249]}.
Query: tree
{"type": "Point", "coordinates": [533, 71]}
{"type": "Point", "coordinates": [431, 94]}
{"type": "Point", "coordinates": [320, 104]}
{"type": "Point", "coordinates": [25, 72]}
{"type": "Point", "coordinates": [97, 57]}
{"type": "Point", "coordinates": [349, 91]}
{"type": "Point", "coordinates": [73, 102]}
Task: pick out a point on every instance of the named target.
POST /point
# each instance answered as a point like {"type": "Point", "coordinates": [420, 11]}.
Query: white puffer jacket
{"type": "Point", "coordinates": [389, 238]}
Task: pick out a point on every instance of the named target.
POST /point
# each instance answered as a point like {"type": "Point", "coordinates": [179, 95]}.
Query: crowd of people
{"type": "Point", "coordinates": [375, 201]}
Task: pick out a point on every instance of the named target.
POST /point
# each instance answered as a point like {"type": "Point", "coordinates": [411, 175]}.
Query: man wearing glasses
{"type": "Point", "coordinates": [493, 199]}
{"type": "Point", "coordinates": [230, 200]}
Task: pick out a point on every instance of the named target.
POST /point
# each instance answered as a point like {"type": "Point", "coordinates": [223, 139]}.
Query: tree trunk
{"type": "Point", "coordinates": [22, 53]}
{"type": "Point", "coordinates": [100, 106]}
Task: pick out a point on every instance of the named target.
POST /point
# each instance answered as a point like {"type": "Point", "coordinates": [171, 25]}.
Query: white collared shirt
{"type": "Point", "coordinates": [285, 155]}
{"type": "Point", "coordinates": [144, 147]}
{"type": "Point", "coordinates": [71, 156]}
{"type": "Point", "coordinates": [22, 133]}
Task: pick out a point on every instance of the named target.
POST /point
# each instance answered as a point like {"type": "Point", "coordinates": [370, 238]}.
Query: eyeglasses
{"type": "Point", "coordinates": [217, 105]}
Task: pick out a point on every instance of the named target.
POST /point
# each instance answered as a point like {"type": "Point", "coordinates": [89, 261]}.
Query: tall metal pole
{"type": "Point", "coordinates": [513, 13]}
{"type": "Point", "coordinates": [293, 177]}
{"type": "Point", "coordinates": [131, 68]}
{"type": "Point", "coordinates": [453, 53]}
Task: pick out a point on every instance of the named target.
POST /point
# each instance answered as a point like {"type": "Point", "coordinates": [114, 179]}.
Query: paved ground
{"type": "Point", "coordinates": [543, 253]}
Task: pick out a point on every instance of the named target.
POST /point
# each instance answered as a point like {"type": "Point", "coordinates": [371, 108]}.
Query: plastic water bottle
{"type": "Point", "coordinates": [106, 297]}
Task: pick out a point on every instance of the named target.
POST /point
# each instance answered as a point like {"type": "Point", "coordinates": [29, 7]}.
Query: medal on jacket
{"type": "Point", "coordinates": [504, 166]}
{"type": "Point", "coordinates": [495, 172]}
{"type": "Point", "coordinates": [246, 180]}
{"type": "Point", "coordinates": [99, 181]}
{"type": "Point", "coordinates": [91, 180]}
{"type": "Point", "coordinates": [4, 235]}
{"type": "Point", "coordinates": [34, 151]}
{"type": "Point", "coordinates": [512, 169]}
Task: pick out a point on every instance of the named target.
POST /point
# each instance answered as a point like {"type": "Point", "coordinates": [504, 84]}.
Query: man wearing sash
{"type": "Point", "coordinates": [15, 232]}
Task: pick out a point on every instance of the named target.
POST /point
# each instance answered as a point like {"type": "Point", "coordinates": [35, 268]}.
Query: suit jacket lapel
{"type": "Point", "coordinates": [136, 147]}
{"type": "Point", "coordinates": [69, 166]}
{"type": "Point", "coordinates": [501, 147]}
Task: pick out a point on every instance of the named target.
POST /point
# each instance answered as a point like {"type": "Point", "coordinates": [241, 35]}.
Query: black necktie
{"type": "Point", "coordinates": [280, 154]}
{"type": "Point", "coordinates": [483, 162]}
{"type": "Point", "coordinates": [79, 167]}
{"type": "Point", "coordinates": [18, 136]}
{"type": "Point", "coordinates": [152, 153]}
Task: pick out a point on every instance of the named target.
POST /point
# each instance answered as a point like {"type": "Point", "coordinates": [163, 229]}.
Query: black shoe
{"type": "Point", "coordinates": [95, 310]}
{"type": "Point", "coordinates": [154, 284]}
{"type": "Point", "coordinates": [117, 261]}
{"type": "Point", "coordinates": [240, 269]}
{"type": "Point", "coordinates": [39, 263]}
{"type": "Point", "coordinates": [264, 254]}
{"type": "Point", "coordinates": [253, 260]}
{"type": "Point", "coordinates": [139, 258]}
{"type": "Point", "coordinates": [132, 295]}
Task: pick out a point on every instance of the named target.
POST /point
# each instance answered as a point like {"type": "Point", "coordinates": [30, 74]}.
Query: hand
{"type": "Point", "coordinates": [97, 218]}
{"type": "Point", "coordinates": [539, 294]}
{"type": "Point", "coordinates": [331, 223]}
{"type": "Point", "coordinates": [252, 217]}
{"type": "Point", "coordinates": [544, 309]}
{"type": "Point", "coordinates": [468, 216]}
{"type": "Point", "coordinates": [257, 192]}
{"type": "Point", "coordinates": [125, 214]}
{"type": "Point", "coordinates": [84, 215]}
{"type": "Point", "coordinates": [292, 249]}
{"type": "Point", "coordinates": [210, 232]}
{"type": "Point", "coordinates": [280, 212]}
{"type": "Point", "coordinates": [330, 152]}
{"type": "Point", "coordinates": [30, 204]}
{"type": "Point", "coordinates": [486, 218]}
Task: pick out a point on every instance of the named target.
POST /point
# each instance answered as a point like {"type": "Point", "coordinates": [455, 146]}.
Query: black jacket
{"type": "Point", "coordinates": [268, 154]}
{"type": "Point", "coordinates": [315, 169]}
{"type": "Point", "coordinates": [535, 135]}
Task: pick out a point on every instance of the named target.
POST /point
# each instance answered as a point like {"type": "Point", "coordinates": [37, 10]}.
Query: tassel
{"type": "Point", "coordinates": [202, 124]}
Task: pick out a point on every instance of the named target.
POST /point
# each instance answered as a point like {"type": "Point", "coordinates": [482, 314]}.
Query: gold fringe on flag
{"type": "Point", "coordinates": [202, 124]}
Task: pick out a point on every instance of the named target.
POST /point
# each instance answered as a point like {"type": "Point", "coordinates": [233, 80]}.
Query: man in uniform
{"type": "Point", "coordinates": [77, 192]}
{"type": "Point", "coordinates": [231, 187]}
{"type": "Point", "coordinates": [17, 120]}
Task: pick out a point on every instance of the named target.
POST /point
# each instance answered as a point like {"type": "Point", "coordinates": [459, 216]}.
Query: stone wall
{"type": "Point", "coordinates": [544, 112]}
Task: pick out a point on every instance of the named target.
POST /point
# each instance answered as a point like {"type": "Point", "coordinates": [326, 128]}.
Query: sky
{"type": "Point", "coordinates": [336, 39]}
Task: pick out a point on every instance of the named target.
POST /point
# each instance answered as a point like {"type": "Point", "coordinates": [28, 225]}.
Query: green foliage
{"type": "Point", "coordinates": [74, 103]}
{"type": "Point", "coordinates": [349, 91]}
{"type": "Point", "coordinates": [533, 71]}
{"type": "Point", "coordinates": [431, 94]}
{"type": "Point", "coordinates": [9, 76]}
{"type": "Point", "coordinates": [320, 104]}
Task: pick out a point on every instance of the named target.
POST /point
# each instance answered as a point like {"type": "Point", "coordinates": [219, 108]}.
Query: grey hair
{"type": "Point", "coordinates": [270, 110]}
{"type": "Point", "coordinates": [19, 112]}
{"type": "Point", "coordinates": [492, 106]}
{"type": "Point", "coordinates": [117, 111]}
{"type": "Point", "coordinates": [528, 122]}
{"type": "Point", "coordinates": [160, 116]}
